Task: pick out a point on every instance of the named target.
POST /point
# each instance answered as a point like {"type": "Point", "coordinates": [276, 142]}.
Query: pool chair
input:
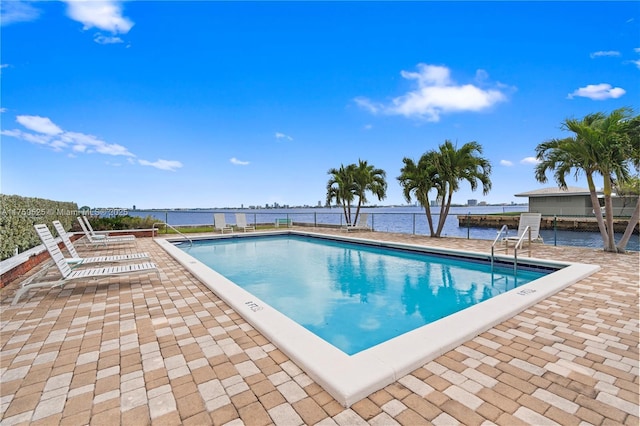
{"type": "Point", "coordinates": [93, 239]}
{"type": "Point", "coordinates": [75, 260]}
{"type": "Point", "coordinates": [241, 223]}
{"type": "Point", "coordinates": [360, 225]}
{"type": "Point", "coordinates": [528, 231]}
{"type": "Point", "coordinates": [69, 275]}
{"type": "Point", "coordinates": [220, 223]}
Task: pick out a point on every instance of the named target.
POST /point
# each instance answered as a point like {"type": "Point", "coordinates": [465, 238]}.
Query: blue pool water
{"type": "Point", "coordinates": [352, 295]}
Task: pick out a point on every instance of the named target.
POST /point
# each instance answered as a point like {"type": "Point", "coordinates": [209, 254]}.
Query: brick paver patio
{"type": "Point", "coordinates": [143, 351]}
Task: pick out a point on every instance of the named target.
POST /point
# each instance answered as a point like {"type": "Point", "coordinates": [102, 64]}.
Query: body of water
{"type": "Point", "coordinates": [411, 220]}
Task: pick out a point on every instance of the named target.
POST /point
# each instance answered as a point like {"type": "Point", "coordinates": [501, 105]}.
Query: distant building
{"type": "Point", "coordinates": [573, 201]}
{"type": "Point", "coordinates": [472, 203]}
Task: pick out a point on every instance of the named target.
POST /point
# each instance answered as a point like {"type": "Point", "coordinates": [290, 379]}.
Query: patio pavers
{"type": "Point", "coordinates": [143, 351]}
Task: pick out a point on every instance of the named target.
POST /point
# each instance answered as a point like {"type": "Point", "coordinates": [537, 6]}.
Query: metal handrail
{"type": "Point", "coordinates": [504, 230]}
{"type": "Point", "coordinates": [174, 228]}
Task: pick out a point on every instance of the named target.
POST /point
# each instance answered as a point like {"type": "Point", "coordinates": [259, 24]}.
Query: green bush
{"type": "Point", "coordinates": [19, 214]}
{"type": "Point", "coordinates": [121, 222]}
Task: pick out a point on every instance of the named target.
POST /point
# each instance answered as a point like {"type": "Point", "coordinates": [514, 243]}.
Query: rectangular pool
{"type": "Point", "coordinates": [357, 314]}
{"type": "Point", "coordinates": [356, 296]}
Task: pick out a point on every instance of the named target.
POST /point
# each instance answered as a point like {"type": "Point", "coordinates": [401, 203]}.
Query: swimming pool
{"type": "Point", "coordinates": [349, 378]}
{"type": "Point", "coordinates": [356, 296]}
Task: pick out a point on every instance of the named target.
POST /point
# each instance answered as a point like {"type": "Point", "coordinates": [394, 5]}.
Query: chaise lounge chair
{"type": "Point", "coordinates": [241, 223]}
{"type": "Point", "coordinates": [361, 224]}
{"type": "Point", "coordinates": [75, 260]}
{"type": "Point", "coordinates": [220, 223]}
{"type": "Point", "coordinates": [69, 275]}
{"type": "Point", "coordinates": [528, 230]}
{"type": "Point", "coordinates": [91, 238]}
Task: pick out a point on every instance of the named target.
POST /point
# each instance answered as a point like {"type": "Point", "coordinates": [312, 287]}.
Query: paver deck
{"type": "Point", "coordinates": [143, 351]}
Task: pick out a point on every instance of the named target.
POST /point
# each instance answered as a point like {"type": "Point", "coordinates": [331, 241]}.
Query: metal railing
{"type": "Point", "coordinates": [153, 227]}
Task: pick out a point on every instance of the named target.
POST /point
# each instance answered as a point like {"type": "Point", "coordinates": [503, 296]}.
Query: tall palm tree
{"type": "Point", "coordinates": [341, 188]}
{"type": "Point", "coordinates": [598, 148]}
{"type": "Point", "coordinates": [418, 179]}
{"type": "Point", "coordinates": [443, 171]}
{"type": "Point", "coordinates": [458, 165]}
{"type": "Point", "coordinates": [368, 179]}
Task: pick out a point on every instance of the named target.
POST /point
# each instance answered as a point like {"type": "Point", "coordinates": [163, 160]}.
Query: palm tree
{"type": "Point", "coordinates": [368, 179]}
{"type": "Point", "coordinates": [455, 166]}
{"type": "Point", "coordinates": [442, 171]}
{"type": "Point", "coordinates": [418, 180]}
{"type": "Point", "coordinates": [341, 188]}
{"type": "Point", "coordinates": [600, 147]}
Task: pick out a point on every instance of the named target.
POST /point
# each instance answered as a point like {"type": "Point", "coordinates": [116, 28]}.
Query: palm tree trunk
{"type": "Point", "coordinates": [355, 220]}
{"type": "Point", "coordinates": [427, 212]}
{"type": "Point", "coordinates": [633, 221]}
{"type": "Point", "coordinates": [444, 209]}
{"type": "Point", "coordinates": [610, 244]}
{"type": "Point", "coordinates": [596, 209]}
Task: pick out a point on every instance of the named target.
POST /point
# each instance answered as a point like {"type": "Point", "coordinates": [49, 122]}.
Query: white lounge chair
{"type": "Point", "coordinates": [528, 230]}
{"type": "Point", "coordinates": [101, 239]}
{"type": "Point", "coordinates": [361, 224]}
{"type": "Point", "coordinates": [75, 260]}
{"type": "Point", "coordinates": [241, 223]}
{"type": "Point", "coordinates": [69, 275]}
{"type": "Point", "coordinates": [103, 234]}
{"type": "Point", "coordinates": [220, 223]}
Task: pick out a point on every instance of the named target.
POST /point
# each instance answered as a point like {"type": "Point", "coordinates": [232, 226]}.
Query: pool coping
{"type": "Point", "coordinates": [350, 378]}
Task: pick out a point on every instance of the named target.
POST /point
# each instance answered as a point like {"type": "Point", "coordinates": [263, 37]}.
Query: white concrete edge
{"type": "Point", "coordinates": [351, 378]}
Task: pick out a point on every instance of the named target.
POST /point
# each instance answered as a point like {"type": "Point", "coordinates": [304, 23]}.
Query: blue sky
{"type": "Point", "coordinates": [212, 104]}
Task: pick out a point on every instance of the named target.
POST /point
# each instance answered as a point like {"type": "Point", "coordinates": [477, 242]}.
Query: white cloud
{"type": "Point", "coordinates": [17, 11]}
{"type": "Point", "coordinates": [47, 133]}
{"type": "Point", "coordinates": [529, 160]}
{"type": "Point", "coordinates": [39, 124]}
{"type": "Point", "coordinates": [101, 39]}
{"type": "Point", "coordinates": [506, 163]}
{"type": "Point", "coordinates": [367, 127]}
{"type": "Point", "coordinates": [604, 53]}
{"type": "Point", "coordinates": [90, 144]}
{"type": "Point", "coordinates": [3, 110]}
{"type": "Point", "coordinates": [161, 164]}
{"type": "Point", "coordinates": [437, 93]}
{"type": "Point", "coordinates": [598, 92]}
{"type": "Point", "coordinates": [237, 162]}
{"type": "Point", "coordinates": [102, 14]}
{"type": "Point", "coordinates": [283, 136]}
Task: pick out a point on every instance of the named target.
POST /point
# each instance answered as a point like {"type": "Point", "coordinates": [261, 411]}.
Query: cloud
{"type": "Point", "coordinates": [3, 110]}
{"type": "Point", "coordinates": [46, 132]}
{"type": "Point", "coordinates": [237, 162]}
{"type": "Point", "coordinates": [529, 160]}
{"type": "Point", "coordinates": [161, 164]}
{"type": "Point", "coordinates": [598, 92]}
{"type": "Point", "coordinates": [283, 136]}
{"type": "Point", "coordinates": [506, 163]}
{"type": "Point", "coordinates": [604, 53]}
{"type": "Point", "coordinates": [436, 93]}
{"type": "Point", "coordinates": [17, 11]}
{"type": "Point", "coordinates": [39, 124]}
{"type": "Point", "coordinates": [105, 15]}
{"type": "Point", "coordinates": [101, 39]}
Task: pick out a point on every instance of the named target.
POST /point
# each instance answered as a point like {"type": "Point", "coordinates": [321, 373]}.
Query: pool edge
{"type": "Point", "coordinates": [350, 378]}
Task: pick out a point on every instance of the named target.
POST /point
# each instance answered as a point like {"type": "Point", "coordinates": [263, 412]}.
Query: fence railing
{"type": "Point", "coordinates": [401, 222]}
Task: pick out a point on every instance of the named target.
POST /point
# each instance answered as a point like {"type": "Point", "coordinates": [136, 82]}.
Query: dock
{"type": "Point", "coordinates": [565, 223]}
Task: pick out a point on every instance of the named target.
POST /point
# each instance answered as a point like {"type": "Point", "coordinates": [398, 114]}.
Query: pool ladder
{"type": "Point", "coordinates": [174, 228]}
